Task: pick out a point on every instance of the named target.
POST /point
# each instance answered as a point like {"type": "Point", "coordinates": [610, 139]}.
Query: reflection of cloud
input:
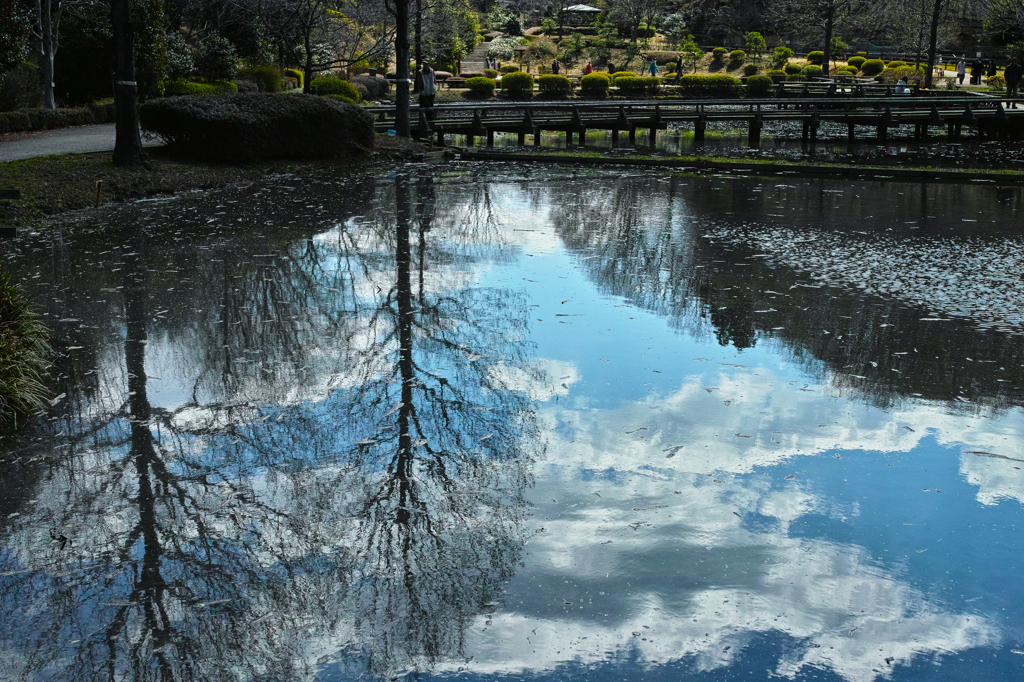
{"type": "Point", "coordinates": [544, 380]}
{"type": "Point", "coordinates": [673, 563]}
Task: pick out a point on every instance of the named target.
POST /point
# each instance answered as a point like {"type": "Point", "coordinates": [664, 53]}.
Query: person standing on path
{"type": "Point", "coordinates": [554, 67]}
{"type": "Point", "coordinates": [961, 70]}
{"type": "Point", "coordinates": [588, 69]}
{"type": "Point", "coordinates": [1012, 74]}
{"type": "Point", "coordinates": [426, 84]}
{"type": "Point", "coordinates": [653, 68]}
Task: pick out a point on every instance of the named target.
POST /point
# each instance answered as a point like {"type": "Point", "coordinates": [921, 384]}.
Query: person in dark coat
{"type": "Point", "coordinates": [1013, 77]}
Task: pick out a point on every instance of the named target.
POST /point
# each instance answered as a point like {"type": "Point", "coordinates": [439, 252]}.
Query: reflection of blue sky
{"type": "Point", "coordinates": [665, 516]}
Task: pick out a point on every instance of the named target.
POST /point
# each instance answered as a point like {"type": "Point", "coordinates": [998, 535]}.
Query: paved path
{"type": "Point", "coordinates": [65, 141]}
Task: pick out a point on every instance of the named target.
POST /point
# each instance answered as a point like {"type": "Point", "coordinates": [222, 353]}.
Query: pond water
{"type": "Point", "coordinates": [492, 422]}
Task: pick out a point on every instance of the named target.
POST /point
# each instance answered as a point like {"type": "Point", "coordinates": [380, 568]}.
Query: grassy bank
{"type": "Point", "coordinates": [51, 185]}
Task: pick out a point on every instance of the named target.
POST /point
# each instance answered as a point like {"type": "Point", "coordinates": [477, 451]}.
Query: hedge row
{"type": "Point", "coordinates": [23, 120]}
{"type": "Point", "coordinates": [183, 87]}
{"type": "Point", "coordinates": [257, 126]}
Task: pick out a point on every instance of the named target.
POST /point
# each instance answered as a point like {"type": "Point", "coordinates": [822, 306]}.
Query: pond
{"type": "Point", "coordinates": [486, 422]}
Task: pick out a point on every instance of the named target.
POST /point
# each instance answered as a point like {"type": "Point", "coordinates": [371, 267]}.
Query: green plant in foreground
{"type": "Point", "coordinates": [24, 348]}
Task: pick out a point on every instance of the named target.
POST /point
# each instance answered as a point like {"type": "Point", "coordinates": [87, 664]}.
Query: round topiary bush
{"type": "Point", "coordinates": [480, 87]}
{"type": "Point", "coordinates": [258, 126]}
{"type": "Point", "coordinates": [792, 69]}
{"type": "Point", "coordinates": [718, 54]}
{"type": "Point", "coordinates": [517, 84]}
{"type": "Point", "coordinates": [812, 71]}
{"type": "Point", "coordinates": [508, 69]}
{"type": "Point", "coordinates": [737, 56]}
{"type": "Point", "coordinates": [652, 85]}
{"type": "Point", "coordinates": [759, 86]}
{"type": "Point", "coordinates": [716, 86]}
{"type": "Point", "coordinates": [872, 67]}
{"type": "Point", "coordinates": [267, 78]}
{"type": "Point", "coordinates": [622, 74]}
{"type": "Point", "coordinates": [377, 87]}
{"type": "Point", "coordinates": [490, 73]}
{"type": "Point", "coordinates": [796, 77]}
{"type": "Point", "coordinates": [183, 87]}
{"type": "Point", "coordinates": [777, 75]}
{"type": "Point", "coordinates": [856, 62]}
{"type": "Point", "coordinates": [846, 70]}
{"type": "Point", "coordinates": [895, 63]}
{"type": "Point", "coordinates": [750, 69]}
{"type": "Point", "coordinates": [631, 87]}
{"type": "Point", "coordinates": [816, 57]}
{"type": "Point", "coordinates": [595, 84]}
{"type": "Point", "coordinates": [554, 86]}
{"type": "Point", "coordinates": [327, 85]}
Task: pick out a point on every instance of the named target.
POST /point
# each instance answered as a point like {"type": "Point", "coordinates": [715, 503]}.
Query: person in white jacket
{"type": "Point", "coordinates": [426, 84]}
{"type": "Point", "coordinates": [961, 70]}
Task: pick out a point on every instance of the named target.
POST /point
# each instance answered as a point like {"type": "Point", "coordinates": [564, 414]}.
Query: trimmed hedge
{"type": "Point", "coordinates": [508, 68]}
{"type": "Point", "coordinates": [480, 87]}
{"type": "Point", "coordinates": [490, 73]}
{"type": "Point", "coordinates": [266, 78]}
{"type": "Point", "coordinates": [872, 67]}
{"type": "Point", "coordinates": [856, 62]}
{"type": "Point", "coordinates": [750, 69]}
{"type": "Point", "coordinates": [596, 84]}
{"type": "Point", "coordinates": [326, 85]}
{"type": "Point", "coordinates": [517, 84]}
{"type": "Point", "coordinates": [639, 86]}
{"type": "Point", "coordinates": [718, 54]}
{"type": "Point", "coordinates": [737, 56]}
{"type": "Point", "coordinates": [23, 120]}
{"type": "Point", "coordinates": [718, 86]}
{"type": "Point", "coordinates": [894, 63]}
{"type": "Point", "coordinates": [622, 74]}
{"type": "Point", "coordinates": [759, 86]}
{"type": "Point", "coordinates": [554, 86]}
{"type": "Point", "coordinates": [377, 87]}
{"type": "Point", "coordinates": [812, 71]}
{"type": "Point", "coordinates": [777, 75]}
{"type": "Point", "coordinates": [816, 57]}
{"type": "Point", "coordinates": [296, 74]}
{"type": "Point", "coordinates": [182, 87]}
{"type": "Point", "coordinates": [792, 69]}
{"type": "Point", "coordinates": [257, 126]}
{"type": "Point", "coordinates": [796, 78]}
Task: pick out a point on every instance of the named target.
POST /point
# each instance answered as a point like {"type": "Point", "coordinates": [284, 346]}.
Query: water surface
{"type": "Point", "coordinates": [486, 422]}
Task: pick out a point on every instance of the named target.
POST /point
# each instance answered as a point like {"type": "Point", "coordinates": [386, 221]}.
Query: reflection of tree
{"type": "Point", "coordinates": [646, 246]}
{"type": "Point", "coordinates": [269, 516]}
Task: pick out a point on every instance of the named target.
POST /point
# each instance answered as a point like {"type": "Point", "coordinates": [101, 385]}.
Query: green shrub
{"type": "Point", "coordinates": [377, 87]}
{"type": "Point", "coordinates": [996, 83]}
{"type": "Point", "coordinates": [759, 86]}
{"type": "Point", "coordinates": [750, 69]}
{"type": "Point", "coordinates": [215, 58]}
{"type": "Point", "coordinates": [718, 86]}
{"type": "Point", "coordinates": [812, 71]}
{"type": "Point", "coordinates": [266, 78]}
{"type": "Point", "coordinates": [43, 119]}
{"type": "Point", "coordinates": [846, 70]}
{"type": "Point", "coordinates": [480, 87]}
{"type": "Point", "coordinates": [796, 77]}
{"type": "Point", "coordinates": [781, 55]}
{"type": "Point", "coordinates": [182, 87]}
{"type": "Point", "coordinates": [792, 69]}
{"type": "Point", "coordinates": [652, 85]}
{"type": "Point", "coordinates": [777, 75]}
{"type": "Point", "coordinates": [554, 86]}
{"type": "Point", "coordinates": [508, 69]}
{"type": "Point", "coordinates": [595, 84]}
{"type": "Point", "coordinates": [894, 63]}
{"type": "Point", "coordinates": [856, 62]}
{"type": "Point", "coordinates": [816, 57]}
{"type": "Point", "coordinates": [490, 73]}
{"type": "Point", "coordinates": [630, 86]}
{"type": "Point", "coordinates": [718, 54]}
{"type": "Point", "coordinates": [257, 126]}
{"type": "Point", "coordinates": [517, 84]}
{"type": "Point", "coordinates": [872, 67]}
{"type": "Point", "coordinates": [908, 73]}
{"type": "Point", "coordinates": [24, 349]}
{"type": "Point", "coordinates": [328, 85]}
{"type": "Point", "coordinates": [296, 74]}
{"type": "Point", "coordinates": [622, 74]}
{"type": "Point", "coordinates": [737, 56]}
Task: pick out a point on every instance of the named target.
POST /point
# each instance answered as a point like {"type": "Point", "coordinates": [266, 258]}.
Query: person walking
{"type": "Point", "coordinates": [554, 67]}
{"type": "Point", "coordinates": [653, 68]}
{"type": "Point", "coordinates": [1013, 74]}
{"type": "Point", "coordinates": [588, 69]}
{"type": "Point", "coordinates": [426, 85]}
{"type": "Point", "coordinates": [961, 70]}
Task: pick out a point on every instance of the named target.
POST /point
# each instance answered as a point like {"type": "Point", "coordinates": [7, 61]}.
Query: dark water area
{"type": "Point", "coordinates": [782, 141]}
{"type": "Point", "coordinates": [486, 422]}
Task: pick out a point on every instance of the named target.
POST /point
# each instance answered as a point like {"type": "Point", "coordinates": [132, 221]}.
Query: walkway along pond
{"type": "Point", "coordinates": [488, 422]}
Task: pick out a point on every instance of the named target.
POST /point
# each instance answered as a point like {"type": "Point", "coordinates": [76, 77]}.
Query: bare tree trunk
{"type": "Point", "coordinates": [933, 39]}
{"type": "Point", "coordinates": [829, 24]}
{"type": "Point", "coordinates": [307, 68]}
{"type": "Point", "coordinates": [418, 42]}
{"type": "Point", "coordinates": [49, 23]}
{"type": "Point", "coordinates": [128, 144]}
{"type": "Point", "coordinates": [402, 75]}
